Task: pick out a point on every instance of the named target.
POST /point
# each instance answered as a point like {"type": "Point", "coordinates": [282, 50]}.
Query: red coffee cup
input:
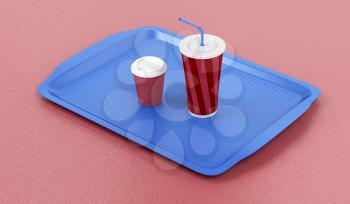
{"type": "Point", "coordinates": [202, 67]}
{"type": "Point", "coordinates": [149, 74]}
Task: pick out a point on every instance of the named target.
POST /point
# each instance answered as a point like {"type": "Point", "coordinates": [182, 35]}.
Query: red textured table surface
{"type": "Point", "coordinates": [49, 155]}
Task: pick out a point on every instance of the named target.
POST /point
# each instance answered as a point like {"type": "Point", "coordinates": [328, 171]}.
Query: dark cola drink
{"type": "Point", "coordinates": [202, 68]}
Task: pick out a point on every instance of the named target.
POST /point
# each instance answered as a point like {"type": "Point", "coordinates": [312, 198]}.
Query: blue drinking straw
{"type": "Point", "coordinates": [195, 26]}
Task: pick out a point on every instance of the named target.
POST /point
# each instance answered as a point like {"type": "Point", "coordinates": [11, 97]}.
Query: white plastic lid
{"type": "Point", "coordinates": [148, 67]}
{"type": "Point", "coordinates": [213, 46]}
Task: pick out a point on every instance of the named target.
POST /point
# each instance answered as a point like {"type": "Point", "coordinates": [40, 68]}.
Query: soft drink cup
{"type": "Point", "coordinates": [202, 68]}
{"type": "Point", "coordinates": [149, 74]}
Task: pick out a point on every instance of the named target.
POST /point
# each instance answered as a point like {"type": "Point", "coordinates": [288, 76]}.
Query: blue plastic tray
{"type": "Point", "coordinates": [255, 103]}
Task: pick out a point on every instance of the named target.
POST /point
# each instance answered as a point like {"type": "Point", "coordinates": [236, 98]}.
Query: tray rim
{"type": "Point", "coordinates": [246, 150]}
